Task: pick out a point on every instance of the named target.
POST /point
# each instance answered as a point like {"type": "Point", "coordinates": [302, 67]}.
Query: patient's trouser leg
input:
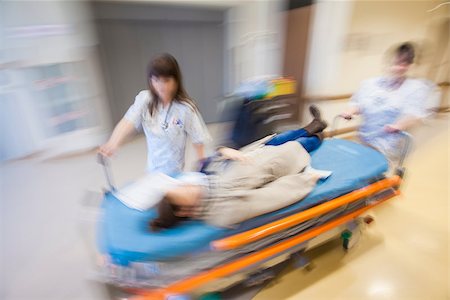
{"type": "Point", "coordinates": [254, 202]}
{"type": "Point", "coordinates": [309, 142]}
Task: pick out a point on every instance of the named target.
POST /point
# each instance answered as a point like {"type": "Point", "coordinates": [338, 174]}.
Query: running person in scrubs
{"type": "Point", "coordinates": [390, 104]}
{"type": "Point", "coordinates": [167, 115]}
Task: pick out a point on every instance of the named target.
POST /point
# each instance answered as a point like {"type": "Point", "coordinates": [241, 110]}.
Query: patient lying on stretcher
{"type": "Point", "coordinates": [241, 184]}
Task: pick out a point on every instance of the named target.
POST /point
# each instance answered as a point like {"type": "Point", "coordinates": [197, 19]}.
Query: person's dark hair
{"type": "Point", "coordinates": [165, 65]}
{"type": "Point", "coordinates": [405, 53]}
{"type": "Point", "coordinates": [167, 217]}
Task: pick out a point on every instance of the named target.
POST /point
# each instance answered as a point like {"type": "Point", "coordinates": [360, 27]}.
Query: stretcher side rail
{"type": "Point", "coordinates": [104, 161]}
{"type": "Point", "coordinates": [261, 232]}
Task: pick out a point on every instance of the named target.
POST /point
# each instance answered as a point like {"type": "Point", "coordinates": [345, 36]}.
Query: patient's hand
{"type": "Point", "coordinates": [233, 154]}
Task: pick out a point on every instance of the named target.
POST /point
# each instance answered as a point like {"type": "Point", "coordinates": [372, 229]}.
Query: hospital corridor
{"type": "Point", "coordinates": [225, 150]}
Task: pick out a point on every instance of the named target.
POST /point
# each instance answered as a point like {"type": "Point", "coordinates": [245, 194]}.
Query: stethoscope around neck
{"type": "Point", "coordinates": [165, 124]}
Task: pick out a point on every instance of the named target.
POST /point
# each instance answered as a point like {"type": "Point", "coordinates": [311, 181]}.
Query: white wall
{"type": "Point", "coordinates": [36, 34]}
{"type": "Point", "coordinates": [330, 23]}
{"type": "Point", "coordinates": [254, 41]}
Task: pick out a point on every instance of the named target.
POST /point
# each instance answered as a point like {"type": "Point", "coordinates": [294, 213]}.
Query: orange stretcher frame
{"type": "Point", "coordinates": [186, 285]}
{"type": "Point", "coordinates": [253, 235]}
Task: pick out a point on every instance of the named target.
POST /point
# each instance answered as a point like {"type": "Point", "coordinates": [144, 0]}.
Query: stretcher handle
{"type": "Point", "coordinates": [406, 148]}
{"type": "Point", "coordinates": [404, 152]}
{"type": "Point", "coordinates": [104, 161]}
{"type": "Point", "coordinates": [334, 125]}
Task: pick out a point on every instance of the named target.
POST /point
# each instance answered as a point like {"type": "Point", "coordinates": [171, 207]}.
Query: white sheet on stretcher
{"type": "Point", "coordinates": [148, 191]}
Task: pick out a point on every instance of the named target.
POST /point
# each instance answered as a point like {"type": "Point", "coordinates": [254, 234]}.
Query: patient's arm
{"type": "Point", "coordinates": [233, 154]}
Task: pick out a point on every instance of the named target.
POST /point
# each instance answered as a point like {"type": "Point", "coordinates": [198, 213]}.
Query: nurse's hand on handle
{"type": "Point", "coordinates": [122, 130]}
{"type": "Point", "coordinates": [108, 149]}
{"type": "Point", "coordinates": [348, 115]}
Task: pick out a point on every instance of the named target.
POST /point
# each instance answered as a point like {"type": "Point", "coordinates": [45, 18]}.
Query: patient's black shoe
{"type": "Point", "coordinates": [315, 112]}
{"type": "Point", "coordinates": [317, 124]}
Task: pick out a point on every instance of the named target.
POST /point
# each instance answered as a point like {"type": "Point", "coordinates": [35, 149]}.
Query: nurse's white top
{"type": "Point", "coordinates": [380, 105]}
{"type": "Point", "coordinates": [166, 132]}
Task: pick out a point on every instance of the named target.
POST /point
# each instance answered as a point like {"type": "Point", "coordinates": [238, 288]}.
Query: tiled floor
{"type": "Point", "coordinates": [404, 255]}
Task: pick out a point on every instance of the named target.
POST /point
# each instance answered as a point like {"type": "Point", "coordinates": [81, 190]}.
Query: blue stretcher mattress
{"type": "Point", "coordinates": [124, 234]}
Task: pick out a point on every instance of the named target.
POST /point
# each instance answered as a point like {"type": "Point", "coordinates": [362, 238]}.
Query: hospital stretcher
{"type": "Point", "coordinates": [173, 263]}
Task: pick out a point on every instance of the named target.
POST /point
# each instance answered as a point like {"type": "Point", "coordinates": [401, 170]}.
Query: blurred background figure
{"type": "Point", "coordinates": [390, 103]}
{"type": "Point", "coordinates": [348, 41]}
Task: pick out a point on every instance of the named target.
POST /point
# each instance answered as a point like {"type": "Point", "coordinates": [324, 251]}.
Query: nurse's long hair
{"type": "Point", "coordinates": [166, 65]}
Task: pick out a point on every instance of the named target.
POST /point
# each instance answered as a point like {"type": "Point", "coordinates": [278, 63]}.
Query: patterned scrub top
{"type": "Point", "coordinates": [166, 145]}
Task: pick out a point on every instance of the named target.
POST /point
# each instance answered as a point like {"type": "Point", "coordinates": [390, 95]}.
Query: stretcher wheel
{"type": "Point", "coordinates": [259, 277]}
{"type": "Point", "coordinates": [301, 261]}
{"type": "Point", "coordinates": [346, 236]}
{"type": "Point", "coordinates": [309, 267]}
{"type": "Point", "coordinates": [350, 237]}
